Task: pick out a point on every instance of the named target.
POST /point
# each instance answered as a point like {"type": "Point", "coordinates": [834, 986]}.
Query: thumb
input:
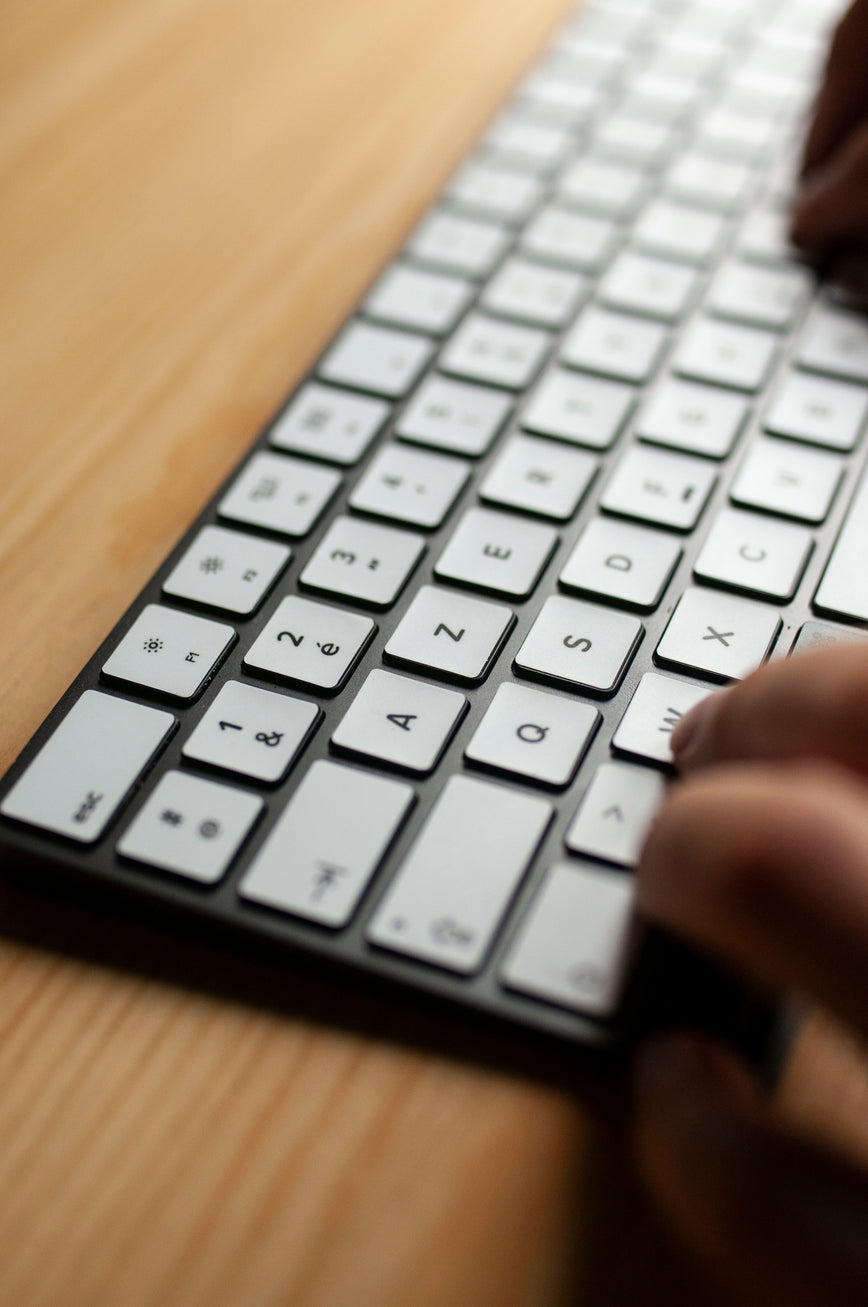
{"type": "Point", "coordinates": [774, 1218]}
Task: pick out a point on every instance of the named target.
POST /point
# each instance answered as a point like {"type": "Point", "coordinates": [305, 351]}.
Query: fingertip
{"type": "Point", "coordinates": [812, 215]}
{"type": "Point", "coordinates": [691, 741]}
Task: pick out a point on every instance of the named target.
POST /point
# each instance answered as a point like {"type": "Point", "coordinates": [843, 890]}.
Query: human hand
{"type": "Point", "coordinates": [761, 857]}
{"type": "Point", "coordinates": [830, 214]}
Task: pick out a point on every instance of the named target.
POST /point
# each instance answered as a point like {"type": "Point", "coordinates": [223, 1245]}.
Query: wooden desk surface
{"type": "Point", "coordinates": [194, 193]}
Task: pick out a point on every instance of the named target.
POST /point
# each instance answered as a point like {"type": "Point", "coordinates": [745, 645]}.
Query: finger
{"type": "Point", "coordinates": [775, 1219]}
{"type": "Point", "coordinates": [843, 99]}
{"type": "Point", "coordinates": [831, 209]}
{"type": "Point", "coordinates": [849, 273]}
{"type": "Point", "coordinates": [766, 866]}
{"type": "Point", "coordinates": [813, 704]}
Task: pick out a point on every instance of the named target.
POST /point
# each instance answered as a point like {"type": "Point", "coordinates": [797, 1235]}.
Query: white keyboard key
{"type": "Point", "coordinates": [400, 721]}
{"type": "Point", "coordinates": [595, 57]}
{"type": "Point", "coordinates": [782, 175]}
{"type": "Point", "coordinates": [822, 635]}
{"type": "Point", "coordinates": [580, 645]}
{"type": "Point", "coordinates": [763, 297]}
{"type": "Point", "coordinates": [327, 843]}
{"type": "Point", "coordinates": [546, 297]}
{"type": "Point", "coordinates": [616, 813]}
{"type": "Point", "coordinates": [227, 569]}
{"type": "Point", "coordinates": [451, 634]}
{"type": "Point", "coordinates": [423, 301]}
{"type": "Point", "coordinates": [701, 179]}
{"type": "Point", "coordinates": [538, 476]}
{"type": "Point", "coordinates": [517, 141]}
{"type": "Point", "coordinates": [410, 486]}
{"type": "Point", "coordinates": [371, 564]}
{"type": "Point", "coordinates": [782, 477]}
{"type": "Point", "coordinates": [596, 79]}
{"type": "Point", "coordinates": [280, 493]}
{"type": "Point", "coordinates": [763, 91]}
{"type": "Point", "coordinates": [191, 827]}
{"type": "Point", "coordinates": [169, 651]}
{"type": "Point", "coordinates": [310, 643]}
{"type": "Point", "coordinates": [329, 424]}
{"type": "Point", "coordinates": [598, 185]}
{"type": "Point", "coordinates": [541, 737]}
{"type": "Point", "coordinates": [558, 97]}
{"type": "Point", "coordinates": [818, 411]}
{"type": "Point", "coordinates": [755, 554]}
{"type": "Point", "coordinates": [708, 28]}
{"type": "Point", "coordinates": [581, 410]}
{"type": "Point", "coordinates": [656, 708]}
{"type": "Point", "coordinates": [449, 896]}
{"type": "Point", "coordinates": [764, 236]}
{"type": "Point", "coordinates": [84, 771]}
{"type": "Point", "coordinates": [500, 353]}
{"type": "Point", "coordinates": [717, 635]}
{"type": "Point", "coordinates": [615, 560]}
{"type": "Point", "coordinates": [843, 591]}
{"type": "Point", "coordinates": [576, 942]}
{"type": "Point", "coordinates": [454, 416]}
{"type": "Point", "coordinates": [376, 359]}
{"type": "Point", "coordinates": [677, 232]}
{"type": "Point", "coordinates": [614, 345]}
{"type": "Point", "coordinates": [696, 419]}
{"type": "Point", "coordinates": [496, 552]}
{"type": "Point", "coordinates": [490, 192]}
{"type": "Point", "coordinates": [691, 65]}
{"type": "Point", "coordinates": [668, 99]}
{"type": "Point", "coordinates": [655, 486]}
{"type": "Point", "coordinates": [576, 240]}
{"type": "Point", "coordinates": [252, 732]}
{"type": "Point", "coordinates": [456, 244]}
{"type": "Point", "coordinates": [634, 139]}
{"type": "Point", "coordinates": [638, 284]}
{"type": "Point", "coordinates": [735, 134]}
{"type": "Point", "coordinates": [835, 342]}
{"type": "Point", "coordinates": [739, 357]}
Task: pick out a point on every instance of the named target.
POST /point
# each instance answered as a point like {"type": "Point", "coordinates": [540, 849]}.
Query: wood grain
{"type": "Point", "coordinates": [195, 191]}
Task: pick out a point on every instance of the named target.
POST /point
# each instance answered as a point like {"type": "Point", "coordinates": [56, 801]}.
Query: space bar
{"type": "Point", "coordinates": [843, 591]}
{"type": "Point", "coordinates": [450, 894]}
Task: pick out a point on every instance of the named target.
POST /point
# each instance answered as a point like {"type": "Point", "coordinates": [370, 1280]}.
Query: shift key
{"type": "Point", "coordinates": [449, 896]}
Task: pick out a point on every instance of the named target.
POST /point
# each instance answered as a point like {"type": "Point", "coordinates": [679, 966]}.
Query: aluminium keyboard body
{"type": "Point", "coordinates": [590, 448]}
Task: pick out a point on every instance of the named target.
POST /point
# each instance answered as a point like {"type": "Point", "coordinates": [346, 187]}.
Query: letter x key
{"type": "Point", "coordinates": [718, 636]}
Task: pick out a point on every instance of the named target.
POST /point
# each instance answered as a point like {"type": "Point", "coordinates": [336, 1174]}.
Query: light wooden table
{"type": "Point", "coordinates": [194, 193]}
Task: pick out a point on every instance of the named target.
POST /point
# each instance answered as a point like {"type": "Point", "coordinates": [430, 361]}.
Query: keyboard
{"type": "Point", "coordinates": [591, 446]}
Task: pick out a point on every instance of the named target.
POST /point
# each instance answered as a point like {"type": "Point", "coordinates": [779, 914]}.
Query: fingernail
{"type": "Point", "coordinates": [692, 733]}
